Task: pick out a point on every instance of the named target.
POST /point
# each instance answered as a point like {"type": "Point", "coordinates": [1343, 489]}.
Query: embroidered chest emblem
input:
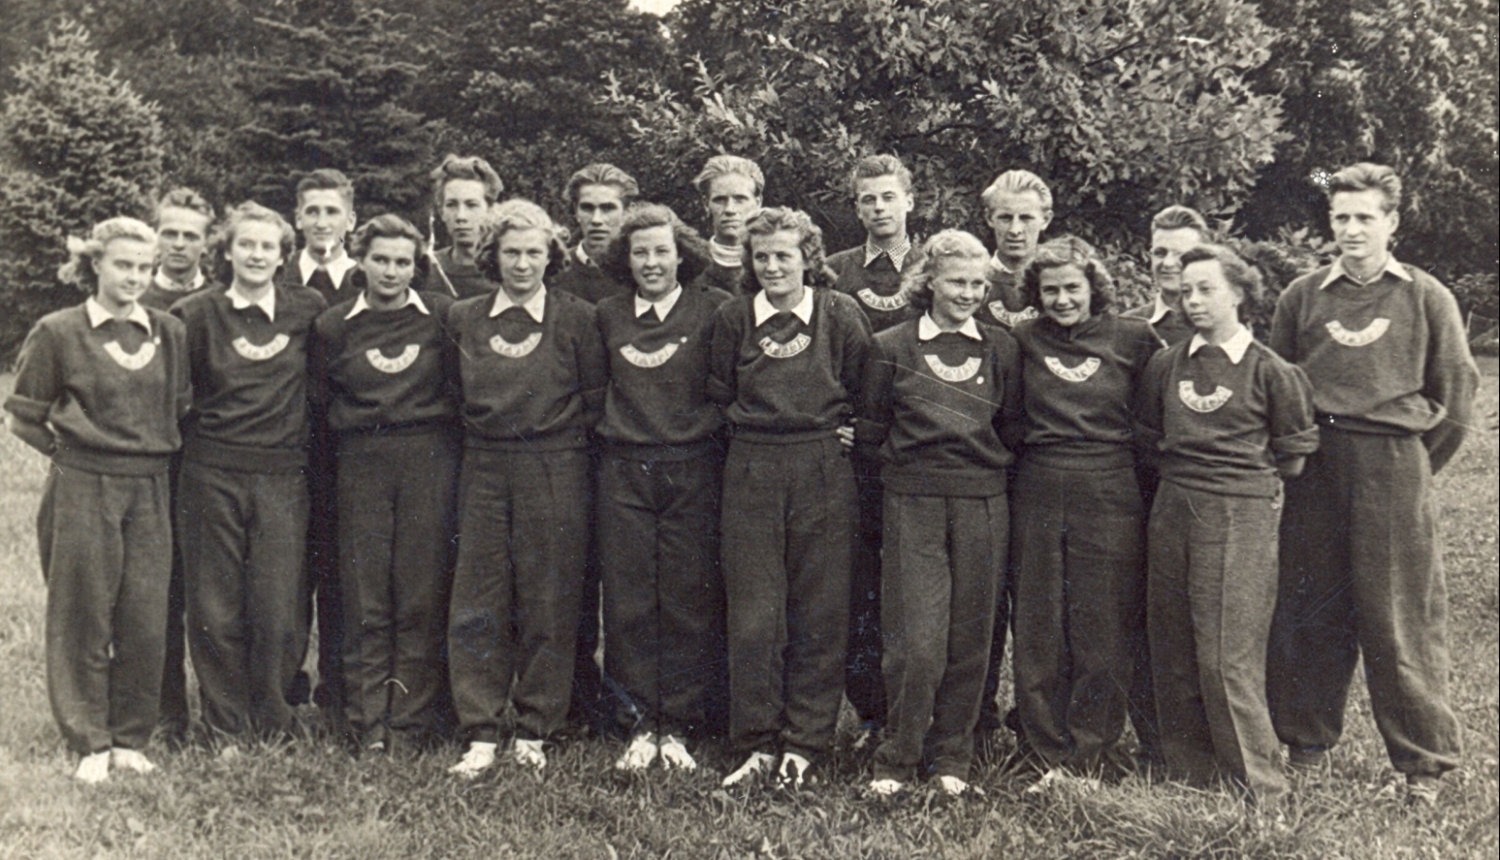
{"type": "Point", "coordinates": [785, 350]}
{"type": "Point", "coordinates": [654, 358]}
{"type": "Point", "coordinates": [129, 361]}
{"type": "Point", "coordinates": [1073, 374]}
{"type": "Point", "coordinates": [882, 303]}
{"type": "Point", "coordinates": [1201, 402]}
{"type": "Point", "coordinates": [393, 365]}
{"type": "Point", "coordinates": [1364, 337]}
{"type": "Point", "coordinates": [963, 373]}
{"type": "Point", "coordinates": [1010, 318]}
{"type": "Point", "coordinates": [264, 352]}
{"type": "Point", "coordinates": [501, 346]}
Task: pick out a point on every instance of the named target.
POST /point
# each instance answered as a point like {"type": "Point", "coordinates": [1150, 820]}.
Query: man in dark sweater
{"type": "Point", "coordinates": [598, 195]}
{"type": "Point", "coordinates": [1018, 207]}
{"type": "Point", "coordinates": [1174, 230]}
{"type": "Point", "coordinates": [732, 188]}
{"type": "Point", "coordinates": [1361, 565]}
{"type": "Point", "coordinates": [464, 190]}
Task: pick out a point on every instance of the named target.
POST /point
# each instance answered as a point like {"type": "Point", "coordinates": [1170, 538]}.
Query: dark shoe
{"type": "Point", "coordinates": [1307, 760]}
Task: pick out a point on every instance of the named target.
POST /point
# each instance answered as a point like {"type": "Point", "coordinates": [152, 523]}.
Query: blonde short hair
{"type": "Point", "coordinates": [84, 254]}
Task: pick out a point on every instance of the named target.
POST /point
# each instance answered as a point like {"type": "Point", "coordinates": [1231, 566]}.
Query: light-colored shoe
{"type": "Point", "coordinates": [639, 754]}
{"type": "Point", "coordinates": [134, 760]}
{"type": "Point", "coordinates": [1058, 779]}
{"type": "Point", "coordinates": [757, 764]}
{"type": "Point", "coordinates": [229, 753]}
{"type": "Point", "coordinates": [529, 753]}
{"type": "Point", "coordinates": [793, 771]}
{"type": "Point", "coordinates": [886, 787]}
{"type": "Point", "coordinates": [955, 787]}
{"type": "Point", "coordinates": [480, 756]}
{"type": "Point", "coordinates": [94, 768]}
{"type": "Point", "coordinates": [675, 756]}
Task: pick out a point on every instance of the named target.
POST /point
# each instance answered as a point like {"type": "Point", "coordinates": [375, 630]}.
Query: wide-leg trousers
{"type": "Point", "coordinates": [864, 681]}
{"type": "Point", "coordinates": [788, 531]}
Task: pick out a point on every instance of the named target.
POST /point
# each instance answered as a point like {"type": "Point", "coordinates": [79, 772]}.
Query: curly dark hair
{"type": "Point", "coordinates": [692, 251]}
{"type": "Point", "coordinates": [1240, 274]}
{"type": "Point", "coordinates": [1069, 251]}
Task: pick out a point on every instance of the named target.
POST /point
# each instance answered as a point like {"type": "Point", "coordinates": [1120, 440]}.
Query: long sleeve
{"type": "Point", "coordinates": [1452, 378]}
{"type": "Point", "coordinates": [1294, 429]}
{"type": "Point", "coordinates": [875, 413]}
{"type": "Point", "coordinates": [857, 344]}
{"type": "Point", "coordinates": [593, 369]}
{"type": "Point", "coordinates": [723, 354]}
{"type": "Point", "coordinates": [1010, 419]}
{"type": "Point", "coordinates": [1146, 423]}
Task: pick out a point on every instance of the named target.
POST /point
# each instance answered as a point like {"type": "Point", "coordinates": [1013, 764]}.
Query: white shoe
{"type": "Point", "coordinates": [529, 753]}
{"type": "Point", "coordinates": [674, 755]}
{"type": "Point", "coordinates": [955, 787]}
{"type": "Point", "coordinates": [1057, 779]}
{"type": "Point", "coordinates": [480, 756]}
{"type": "Point", "coordinates": [639, 755]}
{"type": "Point", "coordinates": [886, 787]}
{"type": "Point", "coordinates": [757, 764]}
{"type": "Point", "coordinates": [229, 754]}
{"type": "Point", "coordinates": [94, 768]}
{"type": "Point", "coordinates": [119, 757]}
{"type": "Point", "coordinates": [793, 771]}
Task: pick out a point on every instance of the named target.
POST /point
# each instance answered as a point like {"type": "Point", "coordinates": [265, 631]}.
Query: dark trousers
{"type": "Point", "coordinates": [397, 496]}
{"type": "Point", "coordinates": [589, 705]}
{"type": "Point", "coordinates": [943, 561]}
{"type": "Point", "coordinates": [1362, 572]}
{"type": "Point", "coordinates": [513, 616]}
{"type": "Point", "coordinates": [990, 718]}
{"type": "Point", "coordinates": [864, 683]}
{"type": "Point", "coordinates": [322, 594]}
{"type": "Point", "coordinates": [663, 598]}
{"type": "Point", "coordinates": [243, 546]}
{"type": "Point", "coordinates": [1211, 591]}
{"type": "Point", "coordinates": [174, 703]}
{"type": "Point", "coordinates": [1078, 570]}
{"type": "Point", "coordinates": [106, 547]}
{"type": "Point", "coordinates": [788, 532]}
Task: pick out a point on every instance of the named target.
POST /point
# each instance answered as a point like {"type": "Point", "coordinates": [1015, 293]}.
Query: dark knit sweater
{"type": "Point", "coordinates": [1081, 383]}
{"type": "Point", "coordinates": [250, 385]}
{"type": "Point", "coordinates": [588, 282]}
{"type": "Point", "coordinates": [162, 300]}
{"type": "Point", "coordinates": [112, 395]}
{"type": "Point", "coordinates": [1222, 427]}
{"type": "Point", "coordinates": [384, 370]}
{"type": "Point", "coordinates": [1173, 328]}
{"type": "Point", "coordinates": [877, 287]}
{"type": "Point", "coordinates": [783, 381]}
{"type": "Point", "coordinates": [1389, 357]}
{"type": "Point", "coordinates": [944, 412]}
{"type": "Point", "coordinates": [465, 277]}
{"type": "Point", "coordinates": [1003, 305]}
{"type": "Point", "coordinates": [529, 386]}
{"type": "Point", "coordinates": [333, 293]}
{"type": "Point", "coordinates": [734, 281]}
{"type": "Point", "coordinates": [658, 373]}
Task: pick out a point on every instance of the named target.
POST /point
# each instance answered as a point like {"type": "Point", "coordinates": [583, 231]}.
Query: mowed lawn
{"type": "Point", "coordinates": [310, 799]}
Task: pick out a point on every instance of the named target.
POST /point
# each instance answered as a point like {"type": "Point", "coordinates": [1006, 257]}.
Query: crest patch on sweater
{"type": "Point", "coordinates": [882, 303]}
{"type": "Point", "coordinates": [1201, 402]}
{"type": "Point", "coordinates": [1010, 318]}
{"type": "Point", "coordinates": [501, 346]}
{"type": "Point", "coordinates": [948, 373]}
{"type": "Point", "coordinates": [654, 358]}
{"type": "Point", "coordinates": [785, 350]}
{"type": "Point", "coordinates": [1073, 374]}
{"type": "Point", "coordinates": [401, 362]}
{"type": "Point", "coordinates": [264, 352]}
{"type": "Point", "coordinates": [131, 361]}
{"type": "Point", "coordinates": [1364, 337]}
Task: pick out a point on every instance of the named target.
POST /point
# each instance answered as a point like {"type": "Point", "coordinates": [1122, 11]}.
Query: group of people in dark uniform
{"type": "Point", "coordinates": [760, 477]}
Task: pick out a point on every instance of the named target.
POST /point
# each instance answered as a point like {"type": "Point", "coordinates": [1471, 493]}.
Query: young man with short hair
{"type": "Point", "coordinates": [598, 195]}
{"type": "Point", "coordinates": [464, 190]}
{"type": "Point", "coordinates": [1361, 562]}
{"type": "Point", "coordinates": [1174, 230]}
{"type": "Point", "coordinates": [1018, 207]}
{"type": "Point", "coordinates": [732, 189]}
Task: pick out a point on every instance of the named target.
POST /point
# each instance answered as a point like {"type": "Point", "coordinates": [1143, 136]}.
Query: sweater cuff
{"type": "Point", "coordinates": [1297, 444]}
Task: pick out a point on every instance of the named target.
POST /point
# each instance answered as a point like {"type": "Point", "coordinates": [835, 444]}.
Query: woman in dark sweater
{"type": "Point", "coordinates": [659, 487]}
{"type": "Point", "coordinates": [787, 365]}
{"type": "Point", "coordinates": [942, 403]}
{"type": "Point", "coordinates": [1078, 526]}
{"type": "Point", "coordinates": [533, 371]}
{"type": "Point", "coordinates": [390, 375]}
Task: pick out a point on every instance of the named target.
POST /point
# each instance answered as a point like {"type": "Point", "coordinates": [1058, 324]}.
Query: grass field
{"type": "Point", "coordinates": [311, 800]}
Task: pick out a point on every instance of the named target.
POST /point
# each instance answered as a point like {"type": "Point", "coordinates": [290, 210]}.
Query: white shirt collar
{"type": "Point", "coordinates": [1235, 347]}
{"type": "Point", "coordinates": [336, 267]}
{"type": "Point", "coordinates": [927, 328]}
{"type": "Point", "coordinates": [166, 283]}
{"type": "Point", "coordinates": [764, 310]}
{"type": "Point", "coordinates": [728, 256]}
{"type": "Point", "coordinates": [897, 254]}
{"type": "Point", "coordinates": [582, 256]}
{"type": "Point", "coordinates": [1161, 310]}
{"type": "Point", "coordinates": [663, 305]}
{"type": "Point", "coordinates": [1337, 271]}
{"type": "Point", "coordinates": [533, 306]}
{"type": "Point", "coordinates": [267, 302]}
{"type": "Point", "coordinates": [98, 316]}
{"type": "Point", "coordinates": [412, 299]}
{"type": "Point", "coordinates": [1000, 264]}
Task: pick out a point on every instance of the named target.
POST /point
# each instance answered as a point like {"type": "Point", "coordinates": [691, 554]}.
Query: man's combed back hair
{"type": "Point", "coordinates": [1181, 218]}
{"type": "Point", "coordinates": [601, 173]}
{"type": "Point", "coordinates": [1015, 182]}
{"type": "Point", "coordinates": [1069, 251]}
{"type": "Point", "coordinates": [809, 241]}
{"type": "Point", "coordinates": [729, 165]}
{"type": "Point", "coordinates": [1240, 274]}
{"type": "Point", "coordinates": [873, 166]}
{"type": "Point", "coordinates": [1366, 176]}
{"type": "Point", "coordinates": [470, 167]}
{"type": "Point", "coordinates": [84, 254]}
{"type": "Point", "coordinates": [944, 245]}
{"type": "Point", "coordinates": [184, 198]}
{"type": "Point", "coordinates": [326, 179]}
